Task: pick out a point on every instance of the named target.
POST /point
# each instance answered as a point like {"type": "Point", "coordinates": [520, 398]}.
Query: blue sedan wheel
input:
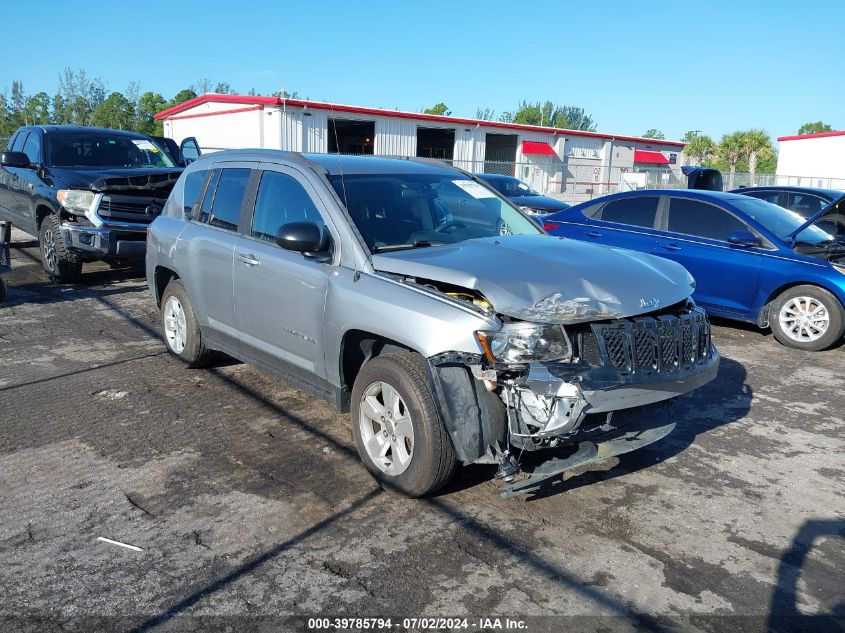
{"type": "Point", "coordinates": [807, 317]}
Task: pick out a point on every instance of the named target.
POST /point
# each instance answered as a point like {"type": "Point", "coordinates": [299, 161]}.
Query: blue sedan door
{"type": "Point", "coordinates": [626, 222]}
{"type": "Point", "coordinates": [695, 234]}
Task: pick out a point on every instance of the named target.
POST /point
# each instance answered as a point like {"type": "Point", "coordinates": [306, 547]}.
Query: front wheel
{"type": "Point", "coordinates": [396, 426]}
{"type": "Point", "coordinates": [808, 318]}
{"type": "Point", "coordinates": [59, 263]}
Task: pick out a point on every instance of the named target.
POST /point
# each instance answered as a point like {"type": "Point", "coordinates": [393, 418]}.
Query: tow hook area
{"type": "Point", "coordinates": [633, 436]}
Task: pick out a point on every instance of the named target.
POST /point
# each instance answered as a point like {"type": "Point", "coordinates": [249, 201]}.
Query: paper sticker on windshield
{"type": "Point", "coordinates": [474, 189]}
{"type": "Point", "coordinates": [144, 145]}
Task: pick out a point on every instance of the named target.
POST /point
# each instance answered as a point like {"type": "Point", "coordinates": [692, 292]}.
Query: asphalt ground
{"type": "Point", "coordinates": [251, 509]}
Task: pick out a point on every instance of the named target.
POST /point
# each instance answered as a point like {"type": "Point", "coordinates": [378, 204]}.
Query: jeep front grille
{"type": "Point", "coordinates": [655, 344]}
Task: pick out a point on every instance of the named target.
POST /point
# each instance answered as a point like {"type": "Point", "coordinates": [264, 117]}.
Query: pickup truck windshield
{"type": "Point", "coordinates": [394, 211]}
{"type": "Point", "coordinates": [102, 150]}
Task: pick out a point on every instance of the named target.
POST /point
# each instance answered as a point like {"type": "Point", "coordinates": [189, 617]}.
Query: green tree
{"type": "Point", "coordinates": [814, 128]}
{"type": "Point", "coordinates": [441, 108]}
{"type": "Point", "coordinates": [7, 126]}
{"type": "Point", "coordinates": [181, 97]}
{"type": "Point", "coordinates": [115, 112]}
{"type": "Point", "coordinates": [485, 114]}
{"type": "Point", "coordinates": [224, 88]}
{"type": "Point", "coordinates": [575, 118]}
{"type": "Point", "coordinates": [699, 150]}
{"type": "Point", "coordinates": [149, 104]}
{"type": "Point", "coordinates": [731, 148]}
{"type": "Point", "coordinates": [655, 134]}
{"type": "Point", "coordinates": [37, 109]}
{"type": "Point", "coordinates": [17, 104]}
{"type": "Point", "coordinates": [549, 114]}
{"type": "Point", "coordinates": [753, 142]}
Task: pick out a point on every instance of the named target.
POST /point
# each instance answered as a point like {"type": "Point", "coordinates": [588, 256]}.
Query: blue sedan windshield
{"type": "Point", "coordinates": [780, 221]}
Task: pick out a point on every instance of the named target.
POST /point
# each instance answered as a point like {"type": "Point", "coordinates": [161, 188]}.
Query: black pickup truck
{"type": "Point", "coordinates": [86, 193]}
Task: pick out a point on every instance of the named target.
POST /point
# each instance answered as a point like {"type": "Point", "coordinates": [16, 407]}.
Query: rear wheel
{"type": "Point", "coordinates": [397, 428]}
{"type": "Point", "coordinates": [807, 317]}
{"type": "Point", "coordinates": [59, 263]}
{"type": "Point", "coordinates": [180, 328]}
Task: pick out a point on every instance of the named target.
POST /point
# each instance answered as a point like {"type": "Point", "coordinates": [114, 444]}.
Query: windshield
{"type": "Point", "coordinates": [780, 221]}
{"type": "Point", "coordinates": [511, 187]}
{"type": "Point", "coordinates": [103, 150]}
{"type": "Point", "coordinates": [395, 211]}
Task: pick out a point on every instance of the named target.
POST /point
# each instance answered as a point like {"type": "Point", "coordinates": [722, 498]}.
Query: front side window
{"type": "Point", "coordinates": [805, 204]}
{"type": "Point", "coordinates": [32, 147]}
{"type": "Point", "coordinates": [18, 142]}
{"type": "Point", "coordinates": [281, 200]}
{"type": "Point", "coordinates": [692, 217]}
{"type": "Point", "coordinates": [89, 149]}
{"type": "Point", "coordinates": [406, 210]}
{"type": "Point", "coordinates": [639, 211]}
{"type": "Point", "coordinates": [228, 198]}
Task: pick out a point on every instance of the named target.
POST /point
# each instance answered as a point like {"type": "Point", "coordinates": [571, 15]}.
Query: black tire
{"type": "Point", "coordinates": [836, 324]}
{"type": "Point", "coordinates": [61, 265]}
{"type": "Point", "coordinates": [433, 461]}
{"type": "Point", "coordinates": [194, 353]}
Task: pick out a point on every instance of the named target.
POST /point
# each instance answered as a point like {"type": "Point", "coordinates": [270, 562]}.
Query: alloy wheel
{"type": "Point", "coordinates": [804, 319]}
{"type": "Point", "coordinates": [386, 428]}
{"type": "Point", "coordinates": [175, 325]}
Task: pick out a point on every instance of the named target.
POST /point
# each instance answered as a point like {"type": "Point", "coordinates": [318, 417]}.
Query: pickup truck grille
{"type": "Point", "coordinates": [655, 344]}
{"type": "Point", "coordinates": [125, 208]}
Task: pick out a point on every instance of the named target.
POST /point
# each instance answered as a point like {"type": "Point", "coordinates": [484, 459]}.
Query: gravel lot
{"type": "Point", "coordinates": [253, 511]}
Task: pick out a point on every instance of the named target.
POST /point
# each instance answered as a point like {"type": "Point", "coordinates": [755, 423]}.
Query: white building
{"type": "Point", "coordinates": [812, 160]}
{"type": "Point", "coordinates": [570, 163]}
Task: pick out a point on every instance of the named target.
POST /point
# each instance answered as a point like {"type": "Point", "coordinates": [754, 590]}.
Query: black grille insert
{"type": "Point", "coordinates": [661, 344]}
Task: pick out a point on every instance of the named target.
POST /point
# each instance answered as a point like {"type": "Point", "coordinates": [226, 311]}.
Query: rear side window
{"type": "Point", "coordinates": [767, 196]}
{"type": "Point", "coordinates": [281, 199]}
{"type": "Point", "coordinates": [226, 207]}
{"type": "Point", "coordinates": [192, 190]}
{"type": "Point", "coordinates": [700, 219]}
{"type": "Point", "coordinates": [632, 211]}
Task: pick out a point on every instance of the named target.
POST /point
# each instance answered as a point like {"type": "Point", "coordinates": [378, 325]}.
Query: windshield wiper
{"type": "Point", "coordinates": [402, 247]}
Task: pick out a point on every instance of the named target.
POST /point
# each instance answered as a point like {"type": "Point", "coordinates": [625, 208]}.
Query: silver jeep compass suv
{"type": "Point", "coordinates": [417, 297]}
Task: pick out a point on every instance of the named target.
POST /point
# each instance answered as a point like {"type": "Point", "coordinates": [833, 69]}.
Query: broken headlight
{"type": "Point", "coordinates": [525, 342]}
{"type": "Point", "coordinates": [76, 200]}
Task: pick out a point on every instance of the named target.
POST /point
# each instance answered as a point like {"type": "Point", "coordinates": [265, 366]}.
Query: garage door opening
{"type": "Point", "coordinates": [500, 154]}
{"type": "Point", "coordinates": [351, 137]}
{"type": "Point", "coordinates": [435, 142]}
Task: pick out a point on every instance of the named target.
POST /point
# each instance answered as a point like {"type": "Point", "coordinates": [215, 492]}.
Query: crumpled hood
{"type": "Point", "coordinates": [155, 179]}
{"type": "Point", "coordinates": [547, 279]}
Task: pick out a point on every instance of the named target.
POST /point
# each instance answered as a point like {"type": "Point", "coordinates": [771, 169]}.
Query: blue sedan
{"type": "Point", "coordinates": [752, 261]}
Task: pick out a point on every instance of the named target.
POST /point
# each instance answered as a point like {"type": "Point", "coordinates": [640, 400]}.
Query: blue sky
{"type": "Point", "coordinates": [714, 66]}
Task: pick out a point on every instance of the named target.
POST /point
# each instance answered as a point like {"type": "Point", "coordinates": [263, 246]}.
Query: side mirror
{"type": "Point", "coordinates": [15, 159]}
{"type": "Point", "coordinates": [190, 150]}
{"type": "Point", "coordinates": [302, 237]}
{"type": "Point", "coordinates": [744, 238]}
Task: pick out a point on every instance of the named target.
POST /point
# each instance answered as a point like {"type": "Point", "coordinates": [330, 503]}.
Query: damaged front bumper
{"type": "Point", "coordinates": [618, 365]}
{"type": "Point", "coordinates": [113, 239]}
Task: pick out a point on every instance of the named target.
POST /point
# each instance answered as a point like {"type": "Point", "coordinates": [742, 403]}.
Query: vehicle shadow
{"type": "Point", "coordinates": [726, 399]}
{"type": "Point", "coordinates": [784, 615]}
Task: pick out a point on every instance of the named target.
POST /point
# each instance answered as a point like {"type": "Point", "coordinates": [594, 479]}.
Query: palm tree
{"type": "Point", "coordinates": [731, 147]}
{"type": "Point", "coordinates": [753, 142]}
{"type": "Point", "coordinates": [699, 149]}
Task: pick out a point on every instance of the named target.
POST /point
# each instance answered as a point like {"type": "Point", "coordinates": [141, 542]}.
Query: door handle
{"type": "Point", "coordinates": [593, 234]}
{"type": "Point", "coordinates": [670, 247]}
{"type": "Point", "coordinates": [249, 260]}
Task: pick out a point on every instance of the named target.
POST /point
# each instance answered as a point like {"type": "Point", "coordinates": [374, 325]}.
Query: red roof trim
{"type": "Point", "coordinates": [201, 114]}
{"type": "Point", "coordinates": [336, 107]}
{"type": "Point", "coordinates": [655, 158]}
{"type": "Point", "coordinates": [538, 148]}
{"type": "Point", "coordinates": [799, 137]}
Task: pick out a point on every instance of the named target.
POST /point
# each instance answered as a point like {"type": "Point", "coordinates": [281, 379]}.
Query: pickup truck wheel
{"type": "Point", "coordinates": [59, 263]}
{"type": "Point", "coordinates": [396, 426]}
{"type": "Point", "coordinates": [807, 317]}
{"type": "Point", "coordinates": [180, 329]}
